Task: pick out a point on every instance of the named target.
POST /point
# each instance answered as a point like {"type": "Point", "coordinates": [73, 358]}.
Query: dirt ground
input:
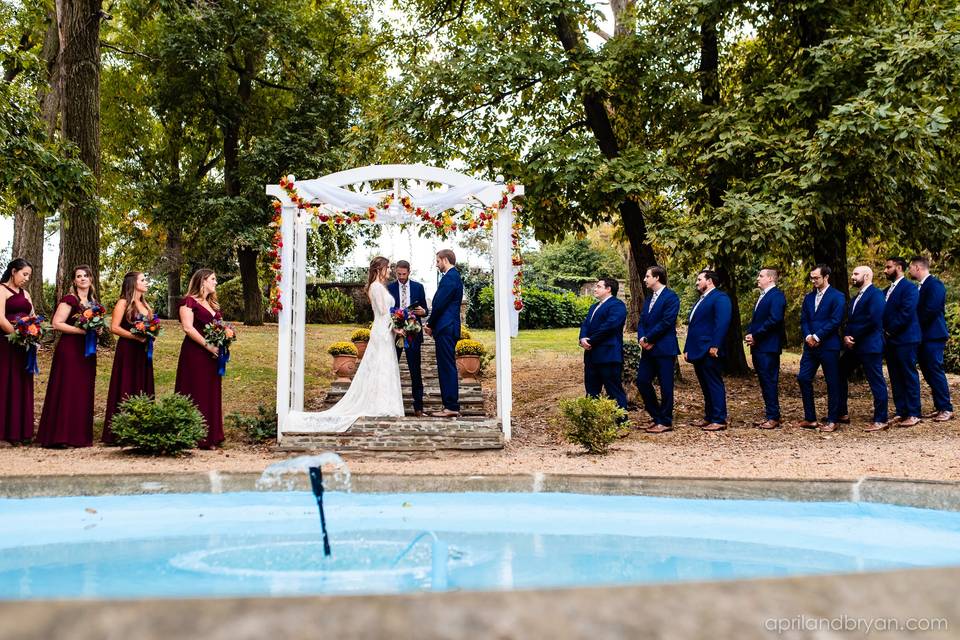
{"type": "Point", "coordinates": [928, 451]}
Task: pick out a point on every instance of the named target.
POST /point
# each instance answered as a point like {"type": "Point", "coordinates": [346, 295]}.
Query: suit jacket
{"type": "Point", "coordinates": [930, 310]}
{"type": "Point", "coordinates": [865, 323]}
{"type": "Point", "coordinates": [446, 304]}
{"type": "Point", "coordinates": [823, 322]}
{"type": "Point", "coordinates": [900, 323]}
{"type": "Point", "coordinates": [767, 324]}
{"type": "Point", "coordinates": [417, 297]}
{"type": "Point", "coordinates": [659, 326]}
{"type": "Point", "coordinates": [604, 329]}
{"type": "Point", "coordinates": [708, 326]}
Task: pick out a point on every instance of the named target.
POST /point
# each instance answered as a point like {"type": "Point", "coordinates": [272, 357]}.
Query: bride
{"type": "Point", "coordinates": [375, 390]}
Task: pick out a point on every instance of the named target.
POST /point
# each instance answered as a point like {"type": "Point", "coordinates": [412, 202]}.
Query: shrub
{"type": "Point", "coordinates": [230, 298]}
{"type": "Point", "coordinates": [951, 356]}
{"type": "Point", "coordinates": [342, 348]}
{"type": "Point", "coordinates": [360, 335]}
{"type": "Point", "coordinates": [467, 347]}
{"type": "Point", "coordinates": [541, 309]}
{"type": "Point", "coordinates": [168, 425]}
{"type": "Point", "coordinates": [330, 306]}
{"type": "Point", "coordinates": [259, 428]}
{"type": "Point", "coordinates": [631, 360]}
{"type": "Point", "coordinates": [591, 422]}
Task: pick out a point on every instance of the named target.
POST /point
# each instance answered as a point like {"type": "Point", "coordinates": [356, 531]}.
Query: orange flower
{"type": "Point", "coordinates": [139, 326]}
{"type": "Point", "coordinates": [32, 329]}
{"type": "Point", "coordinates": [88, 313]}
{"type": "Point", "coordinates": [229, 332]}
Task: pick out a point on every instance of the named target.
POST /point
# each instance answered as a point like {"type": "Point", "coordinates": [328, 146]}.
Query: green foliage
{"type": "Point", "coordinates": [256, 429]}
{"type": "Point", "coordinates": [571, 261]}
{"type": "Point", "coordinates": [591, 422]}
{"type": "Point", "coordinates": [631, 360]}
{"type": "Point", "coordinates": [166, 426]}
{"type": "Point", "coordinates": [467, 347]}
{"type": "Point", "coordinates": [342, 348]}
{"type": "Point", "coordinates": [360, 335]}
{"type": "Point", "coordinates": [951, 356]}
{"type": "Point", "coordinates": [230, 297]}
{"type": "Point", "coordinates": [330, 306]}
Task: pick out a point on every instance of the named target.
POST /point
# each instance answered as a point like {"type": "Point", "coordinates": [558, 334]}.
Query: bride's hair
{"type": "Point", "coordinates": [376, 266]}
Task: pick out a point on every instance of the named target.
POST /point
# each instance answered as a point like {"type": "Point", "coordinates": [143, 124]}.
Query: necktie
{"type": "Point", "coordinates": [653, 299]}
{"type": "Point", "coordinates": [890, 290]}
{"type": "Point", "coordinates": [816, 303]}
{"type": "Point", "coordinates": [762, 293]}
{"type": "Point", "coordinates": [403, 296]}
{"type": "Point", "coordinates": [856, 300]}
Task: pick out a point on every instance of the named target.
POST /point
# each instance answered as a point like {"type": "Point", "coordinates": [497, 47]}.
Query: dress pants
{"type": "Point", "coordinates": [904, 379]}
{"type": "Point", "coordinates": [767, 366]}
{"type": "Point", "coordinates": [710, 376]}
{"type": "Point", "coordinates": [810, 361]}
{"type": "Point", "coordinates": [414, 365]}
{"type": "Point", "coordinates": [447, 370]}
{"type": "Point", "coordinates": [606, 376]}
{"type": "Point", "coordinates": [931, 366]}
{"type": "Point", "coordinates": [873, 370]}
{"type": "Point", "coordinates": [661, 368]}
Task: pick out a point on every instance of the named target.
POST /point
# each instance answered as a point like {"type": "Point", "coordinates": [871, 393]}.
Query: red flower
{"type": "Point", "coordinates": [518, 304]}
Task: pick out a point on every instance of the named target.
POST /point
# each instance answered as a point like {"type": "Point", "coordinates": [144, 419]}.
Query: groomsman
{"type": "Point", "coordinates": [707, 328]}
{"type": "Point", "coordinates": [863, 344]}
{"type": "Point", "coordinates": [409, 294]}
{"type": "Point", "coordinates": [902, 331]}
{"type": "Point", "coordinates": [820, 318]}
{"type": "Point", "coordinates": [933, 339]}
{"type": "Point", "coordinates": [766, 336]}
{"type": "Point", "coordinates": [601, 338]}
{"type": "Point", "coordinates": [657, 334]}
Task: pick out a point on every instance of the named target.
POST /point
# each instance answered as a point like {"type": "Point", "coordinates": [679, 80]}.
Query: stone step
{"type": "Point", "coordinates": [375, 434]}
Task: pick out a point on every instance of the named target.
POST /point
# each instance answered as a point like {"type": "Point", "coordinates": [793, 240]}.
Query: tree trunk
{"type": "Point", "coordinates": [173, 259]}
{"type": "Point", "coordinates": [78, 22]}
{"type": "Point", "coordinates": [830, 248]}
{"type": "Point", "coordinates": [636, 293]}
{"type": "Point", "coordinates": [252, 300]}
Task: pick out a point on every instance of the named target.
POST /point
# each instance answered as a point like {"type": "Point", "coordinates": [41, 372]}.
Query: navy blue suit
{"type": "Point", "coordinates": [934, 334]}
{"type": "Point", "coordinates": [902, 330]}
{"type": "Point", "coordinates": [708, 324]}
{"type": "Point", "coordinates": [769, 336]}
{"type": "Point", "coordinates": [444, 322]}
{"type": "Point", "coordinates": [658, 326]}
{"type": "Point", "coordinates": [865, 326]}
{"type": "Point", "coordinates": [823, 322]}
{"type": "Point", "coordinates": [603, 362]}
{"type": "Point", "coordinates": [416, 297]}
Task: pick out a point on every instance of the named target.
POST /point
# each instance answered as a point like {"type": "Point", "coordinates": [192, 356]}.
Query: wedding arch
{"type": "Point", "coordinates": [420, 194]}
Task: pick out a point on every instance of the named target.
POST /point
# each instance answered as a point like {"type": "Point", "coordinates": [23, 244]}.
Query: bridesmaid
{"type": "Point", "coordinates": [197, 375]}
{"type": "Point", "coordinates": [132, 371]}
{"type": "Point", "coordinates": [16, 385]}
{"type": "Point", "coordinates": [67, 418]}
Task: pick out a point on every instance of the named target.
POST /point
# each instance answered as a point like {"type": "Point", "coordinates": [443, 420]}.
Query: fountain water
{"type": "Point", "coordinates": [284, 474]}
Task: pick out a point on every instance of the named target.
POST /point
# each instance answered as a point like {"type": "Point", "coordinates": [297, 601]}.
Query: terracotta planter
{"type": "Point", "coordinates": [469, 367]}
{"type": "Point", "coordinates": [344, 367]}
{"type": "Point", "coordinates": [361, 347]}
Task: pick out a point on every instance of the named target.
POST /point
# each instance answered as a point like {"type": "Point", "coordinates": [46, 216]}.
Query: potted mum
{"type": "Point", "coordinates": [360, 338]}
{"type": "Point", "coordinates": [469, 356]}
{"type": "Point", "coordinates": [344, 360]}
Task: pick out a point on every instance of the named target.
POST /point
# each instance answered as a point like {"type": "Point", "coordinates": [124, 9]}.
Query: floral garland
{"type": "Point", "coordinates": [448, 221]}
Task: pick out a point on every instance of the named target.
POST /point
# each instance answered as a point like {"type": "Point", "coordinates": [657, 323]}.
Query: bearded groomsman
{"type": "Point", "coordinates": [601, 338]}
{"type": "Point", "coordinates": [820, 318]}
{"type": "Point", "coordinates": [766, 336]}
{"type": "Point", "coordinates": [707, 329]}
{"type": "Point", "coordinates": [933, 338]}
{"type": "Point", "coordinates": [409, 294]}
{"type": "Point", "coordinates": [863, 344]}
{"type": "Point", "coordinates": [902, 331]}
{"type": "Point", "coordinates": [657, 334]}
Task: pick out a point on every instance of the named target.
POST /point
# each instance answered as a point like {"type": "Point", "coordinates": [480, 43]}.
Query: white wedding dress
{"type": "Point", "coordinates": [375, 390]}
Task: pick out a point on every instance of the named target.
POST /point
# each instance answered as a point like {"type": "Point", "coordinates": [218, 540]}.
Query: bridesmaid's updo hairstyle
{"type": "Point", "coordinates": [128, 289]}
{"type": "Point", "coordinates": [195, 288]}
{"type": "Point", "coordinates": [377, 265]}
{"type": "Point", "coordinates": [91, 295]}
{"type": "Point", "coordinates": [17, 264]}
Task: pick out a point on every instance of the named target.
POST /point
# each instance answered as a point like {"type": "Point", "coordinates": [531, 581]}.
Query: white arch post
{"type": "Point", "coordinates": [334, 192]}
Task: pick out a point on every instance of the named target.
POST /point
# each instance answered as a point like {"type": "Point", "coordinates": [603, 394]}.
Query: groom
{"type": "Point", "coordinates": [408, 294]}
{"type": "Point", "coordinates": [444, 325]}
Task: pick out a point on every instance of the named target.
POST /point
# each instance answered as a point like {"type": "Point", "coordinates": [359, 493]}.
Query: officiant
{"type": "Point", "coordinates": [408, 294]}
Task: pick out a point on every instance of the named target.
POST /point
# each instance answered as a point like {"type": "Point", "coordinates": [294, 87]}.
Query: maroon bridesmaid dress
{"type": "Point", "coordinates": [67, 418]}
{"type": "Point", "coordinates": [197, 376]}
{"type": "Point", "coordinates": [132, 374]}
{"type": "Point", "coordinates": [16, 385]}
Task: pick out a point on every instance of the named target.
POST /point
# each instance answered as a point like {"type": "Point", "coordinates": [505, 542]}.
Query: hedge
{"type": "Point", "coordinates": [541, 309]}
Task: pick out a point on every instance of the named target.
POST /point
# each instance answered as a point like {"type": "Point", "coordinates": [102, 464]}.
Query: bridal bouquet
{"type": "Point", "coordinates": [27, 332]}
{"type": "Point", "coordinates": [220, 334]}
{"type": "Point", "coordinates": [149, 327]}
{"type": "Point", "coordinates": [90, 319]}
{"type": "Point", "coordinates": [404, 320]}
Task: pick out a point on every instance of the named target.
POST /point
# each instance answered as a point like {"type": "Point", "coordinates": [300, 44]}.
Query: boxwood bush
{"type": "Point", "coordinates": [166, 426]}
{"type": "Point", "coordinates": [951, 357]}
{"type": "Point", "coordinates": [592, 422]}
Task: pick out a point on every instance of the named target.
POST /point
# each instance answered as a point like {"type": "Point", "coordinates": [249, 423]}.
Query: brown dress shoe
{"type": "Point", "coordinates": [446, 413]}
{"type": "Point", "coordinates": [828, 427]}
{"type": "Point", "coordinates": [659, 428]}
{"type": "Point", "coordinates": [769, 424]}
{"type": "Point", "coordinates": [700, 424]}
{"type": "Point", "coordinates": [806, 424]}
{"type": "Point", "coordinates": [943, 416]}
{"type": "Point", "coordinates": [714, 426]}
{"type": "Point", "coordinates": [845, 419]}
{"type": "Point", "coordinates": [877, 426]}
{"type": "Point", "coordinates": [912, 421]}
{"type": "Point", "coordinates": [932, 414]}
{"type": "Point", "coordinates": [418, 414]}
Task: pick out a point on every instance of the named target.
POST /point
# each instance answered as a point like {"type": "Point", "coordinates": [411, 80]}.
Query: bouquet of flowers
{"type": "Point", "coordinates": [148, 326]}
{"type": "Point", "coordinates": [404, 320]}
{"type": "Point", "coordinates": [220, 334]}
{"type": "Point", "coordinates": [90, 319]}
{"type": "Point", "coordinates": [27, 332]}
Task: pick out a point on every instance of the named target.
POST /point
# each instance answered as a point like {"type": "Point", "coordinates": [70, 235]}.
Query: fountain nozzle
{"type": "Point", "coordinates": [316, 482]}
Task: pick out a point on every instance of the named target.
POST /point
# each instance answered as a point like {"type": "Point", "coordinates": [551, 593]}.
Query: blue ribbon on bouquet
{"type": "Point", "coordinates": [150, 348]}
{"type": "Point", "coordinates": [223, 357]}
{"type": "Point", "coordinates": [32, 367]}
{"type": "Point", "coordinates": [90, 348]}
